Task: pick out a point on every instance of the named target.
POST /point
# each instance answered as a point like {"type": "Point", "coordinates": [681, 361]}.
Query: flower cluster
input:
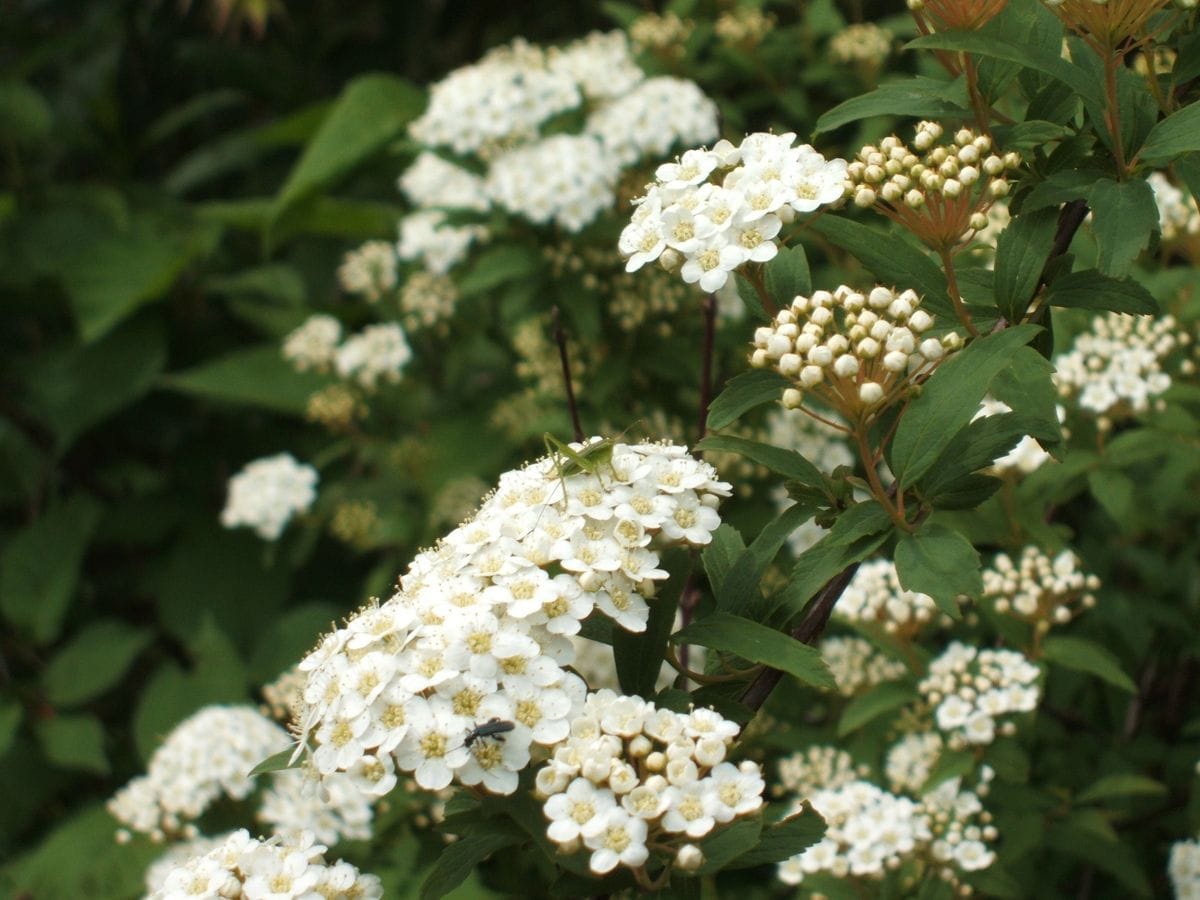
{"type": "Point", "coordinates": [567, 179]}
{"type": "Point", "coordinates": [969, 689]}
{"type": "Point", "coordinates": [714, 210]}
{"type": "Point", "coordinates": [658, 114]}
{"type": "Point", "coordinates": [427, 300]}
{"type": "Point", "coordinates": [819, 767]}
{"type": "Point", "coordinates": [312, 347]}
{"type": "Point", "coordinates": [1178, 214]}
{"type": "Point", "coordinates": [1183, 867]}
{"type": "Point", "coordinates": [425, 236]}
{"type": "Point", "coordinates": [1115, 368]}
{"type": "Point", "coordinates": [1039, 589]}
{"type": "Point", "coordinates": [267, 493]}
{"type": "Point", "coordinates": [856, 352]}
{"type": "Point", "coordinates": [941, 196]}
{"type": "Point", "coordinates": [865, 44]}
{"type": "Point", "coordinates": [369, 270]}
{"type": "Point", "coordinates": [377, 353]}
{"type": "Point", "coordinates": [857, 665]}
{"type": "Point", "coordinates": [477, 630]}
{"type": "Point", "coordinates": [911, 759]}
{"type": "Point", "coordinates": [874, 596]}
{"type": "Point", "coordinates": [954, 15]}
{"type": "Point", "coordinates": [745, 26]}
{"type": "Point", "coordinates": [664, 33]}
{"type": "Point", "coordinates": [279, 868]}
{"type": "Point", "coordinates": [632, 775]}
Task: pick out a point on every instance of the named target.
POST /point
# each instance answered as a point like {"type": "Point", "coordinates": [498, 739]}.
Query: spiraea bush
{"type": "Point", "coordinates": [721, 450]}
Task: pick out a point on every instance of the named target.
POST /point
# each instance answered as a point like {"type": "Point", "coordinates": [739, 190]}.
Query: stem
{"type": "Point", "coordinates": [760, 288]}
{"type": "Point", "coordinates": [1112, 112]}
{"type": "Point", "coordinates": [710, 332]}
{"type": "Point", "coordinates": [960, 306]}
{"type": "Point", "coordinates": [983, 110]}
{"type": "Point", "coordinates": [560, 338]}
{"type": "Point", "coordinates": [877, 489]}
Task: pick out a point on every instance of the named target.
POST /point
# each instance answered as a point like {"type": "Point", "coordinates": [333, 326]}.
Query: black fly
{"type": "Point", "coordinates": [493, 728]}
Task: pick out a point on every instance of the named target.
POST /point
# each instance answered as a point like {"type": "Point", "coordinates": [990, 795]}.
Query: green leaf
{"type": "Point", "coordinates": [1027, 54]}
{"type": "Point", "coordinates": [749, 296]}
{"type": "Point", "coordinates": [456, 861]}
{"type": "Point", "coordinates": [74, 742]}
{"type": "Point", "coordinates": [1178, 133]}
{"type": "Point", "coordinates": [787, 276]}
{"type": "Point", "coordinates": [1083, 655]}
{"type": "Point", "coordinates": [39, 568]}
{"type": "Point", "coordinates": [93, 661]}
{"type": "Point", "coordinates": [258, 376]}
{"type": "Point", "coordinates": [1021, 253]}
{"type": "Point", "coordinates": [639, 656]}
{"type": "Point", "coordinates": [719, 556]}
{"type": "Point", "coordinates": [950, 399]}
{"type": "Point", "coordinates": [743, 393]}
{"type": "Point", "coordinates": [1027, 386]}
{"type": "Point", "coordinates": [891, 259]}
{"type": "Point", "coordinates": [975, 447]}
{"type": "Point", "coordinates": [371, 110]}
{"type": "Point", "coordinates": [879, 700]}
{"type": "Point", "coordinates": [26, 119]}
{"type": "Point", "coordinates": [729, 844]}
{"type": "Point", "coordinates": [1125, 784]}
{"type": "Point", "coordinates": [499, 265]}
{"type": "Point", "coordinates": [1114, 491]}
{"type": "Point", "coordinates": [950, 764]}
{"type": "Point", "coordinates": [10, 720]}
{"type": "Point", "coordinates": [1090, 289]}
{"type": "Point", "coordinates": [278, 762]}
{"type": "Point", "coordinates": [1124, 216]}
{"type": "Point", "coordinates": [760, 644]}
{"type": "Point", "coordinates": [1087, 838]}
{"type": "Point", "coordinates": [739, 590]}
{"type": "Point", "coordinates": [917, 97]}
{"type": "Point", "coordinates": [939, 562]}
{"type": "Point", "coordinates": [1029, 135]}
{"type": "Point", "coordinates": [784, 840]}
{"type": "Point", "coordinates": [787, 463]}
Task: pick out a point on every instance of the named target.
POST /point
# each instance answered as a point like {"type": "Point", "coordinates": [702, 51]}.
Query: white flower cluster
{"type": "Point", "coordinates": [476, 633]}
{"type": "Point", "coordinates": [632, 775]}
{"type": "Point", "coordinates": [313, 346]}
{"type": "Point", "coordinates": [179, 854]}
{"type": "Point", "coordinates": [567, 179]}
{"type": "Point", "coordinates": [1178, 215]}
{"type": "Point", "coordinates": [1038, 588]}
{"type": "Point", "coordinates": [714, 210]}
{"type": "Point", "coordinates": [857, 665]}
{"type": "Point", "coordinates": [658, 114]}
{"type": "Point", "coordinates": [1027, 455]}
{"type": "Point", "coordinates": [910, 761]}
{"type": "Point", "coordinates": [377, 353]}
{"type": "Point", "coordinates": [436, 183]}
{"type": "Point", "coordinates": [600, 63]}
{"type": "Point", "coordinates": [855, 351]}
{"type": "Point", "coordinates": [425, 236]}
{"type": "Point", "coordinates": [874, 595]}
{"type": "Point", "coordinates": [369, 270]}
{"type": "Point", "coordinates": [246, 868]}
{"type": "Point", "coordinates": [267, 492]}
{"type": "Point", "coordinates": [819, 767]}
{"type": "Point", "coordinates": [1115, 369]}
{"type": "Point", "coordinates": [1184, 869]}
{"type": "Point", "coordinates": [428, 301]}
{"type": "Point", "coordinates": [210, 755]}
{"type": "Point", "coordinates": [866, 44]}
{"type": "Point", "coordinates": [969, 689]}
{"type": "Point", "coordinates": [665, 33]}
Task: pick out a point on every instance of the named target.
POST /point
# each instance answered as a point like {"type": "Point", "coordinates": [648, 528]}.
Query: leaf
{"type": "Point", "coordinates": [915, 97]}
{"type": "Point", "coordinates": [1021, 253]}
{"type": "Point", "coordinates": [496, 266]}
{"type": "Point", "coordinates": [719, 556]}
{"type": "Point", "coordinates": [456, 861]}
{"type": "Point", "coordinates": [1077, 837]}
{"type": "Point", "coordinates": [26, 119]}
{"type": "Point", "coordinates": [787, 276]}
{"type": "Point", "coordinates": [258, 376]}
{"type": "Point", "coordinates": [787, 463]}
{"type": "Point", "coordinates": [1124, 215]}
{"type": "Point", "coordinates": [1091, 289]}
{"type": "Point", "coordinates": [10, 720]}
{"type": "Point", "coordinates": [93, 661]}
{"type": "Point", "coordinates": [371, 110]}
{"type": "Point", "coordinates": [975, 447]}
{"type": "Point", "coordinates": [39, 567]}
{"type": "Point", "coordinates": [1178, 133]}
{"type": "Point", "coordinates": [760, 644]}
{"type": "Point", "coordinates": [278, 762]}
{"type": "Point", "coordinates": [749, 296]}
{"type": "Point", "coordinates": [950, 764]}
{"type": "Point", "coordinates": [939, 562]}
{"type": "Point", "coordinates": [74, 742]}
{"type": "Point", "coordinates": [891, 259]}
{"type": "Point", "coordinates": [1125, 784]}
{"type": "Point", "coordinates": [729, 844]}
{"type": "Point", "coordinates": [739, 590]}
{"type": "Point", "coordinates": [639, 656]}
{"type": "Point", "coordinates": [949, 399]}
{"type": "Point", "coordinates": [784, 840]}
{"type": "Point", "coordinates": [1083, 655]}
{"type": "Point", "coordinates": [1027, 54]}
{"type": "Point", "coordinates": [1027, 386]}
{"type": "Point", "coordinates": [744, 392]}
{"type": "Point", "coordinates": [866, 707]}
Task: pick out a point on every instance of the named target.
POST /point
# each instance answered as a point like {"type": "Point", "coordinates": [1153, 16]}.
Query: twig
{"type": "Point", "coordinates": [560, 338]}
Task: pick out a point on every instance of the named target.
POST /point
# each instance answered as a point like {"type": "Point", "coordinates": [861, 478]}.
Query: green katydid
{"type": "Point", "coordinates": [590, 458]}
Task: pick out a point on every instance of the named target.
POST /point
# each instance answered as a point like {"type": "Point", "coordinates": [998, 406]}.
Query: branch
{"type": "Point", "coordinates": [560, 338]}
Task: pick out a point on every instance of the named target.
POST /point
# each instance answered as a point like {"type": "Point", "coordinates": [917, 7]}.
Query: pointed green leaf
{"type": "Point", "coordinates": [1083, 655]}
{"type": "Point", "coordinates": [869, 706]}
{"type": "Point", "coordinates": [760, 644]}
{"type": "Point", "coordinates": [1090, 289]}
{"type": "Point", "coordinates": [939, 562]}
{"type": "Point", "coordinates": [1124, 216]}
{"type": "Point", "coordinates": [744, 392]}
{"type": "Point", "coordinates": [1178, 133]}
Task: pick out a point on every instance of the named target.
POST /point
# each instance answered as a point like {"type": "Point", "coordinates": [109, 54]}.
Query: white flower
{"type": "Point", "coordinates": [621, 839]}
{"type": "Point", "coordinates": [313, 346]}
{"type": "Point", "coordinates": [581, 806]}
{"type": "Point", "coordinates": [378, 352]}
{"type": "Point", "coordinates": [267, 493]}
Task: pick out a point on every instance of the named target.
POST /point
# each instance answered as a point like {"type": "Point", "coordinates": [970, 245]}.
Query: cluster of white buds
{"type": "Point", "coordinates": [857, 664]}
{"type": "Point", "coordinates": [874, 596]}
{"type": "Point", "coordinates": [1178, 214]}
{"type": "Point", "coordinates": [1040, 589]}
{"type": "Point", "coordinates": [209, 756]}
{"type": "Point", "coordinates": [632, 775]}
{"type": "Point", "coordinates": [1115, 368]}
{"type": "Point", "coordinates": [246, 868]}
{"type": "Point", "coordinates": [1027, 455]}
{"type": "Point", "coordinates": [970, 689]}
{"type": "Point", "coordinates": [940, 192]}
{"type": "Point", "coordinates": [1183, 867]}
{"type": "Point", "coordinates": [377, 353]}
{"type": "Point", "coordinates": [663, 33]}
{"type": "Point", "coordinates": [369, 270]}
{"type": "Point", "coordinates": [312, 347]}
{"type": "Point", "coordinates": [857, 352]}
{"type": "Point", "coordinates": [910, 761]}
{"type": "Point", "coordinates": [819, 767]}
{"type": "Point", "coordinates": [714, 210]}
{"type": "Point", "coordinates": [745, 26]}
{"type": "Point", "coordinates": [428, 301]}
{"type": "Point", "coordinates": [954, 15]}
{"type": "Point", "coordinates": [464, 669]}
{"type": "Point", "coordinates": [962, 828]}
{"type": "Point", "coordinates": [865, 44]}
{"type": "Point", "coordinates": [267, 492]}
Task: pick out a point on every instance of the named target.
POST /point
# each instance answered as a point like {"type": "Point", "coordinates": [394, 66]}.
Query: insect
{"type": "Point", "coordinates": [568, 461]}
{"type": "Point", "coordinates": [494, 728]}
